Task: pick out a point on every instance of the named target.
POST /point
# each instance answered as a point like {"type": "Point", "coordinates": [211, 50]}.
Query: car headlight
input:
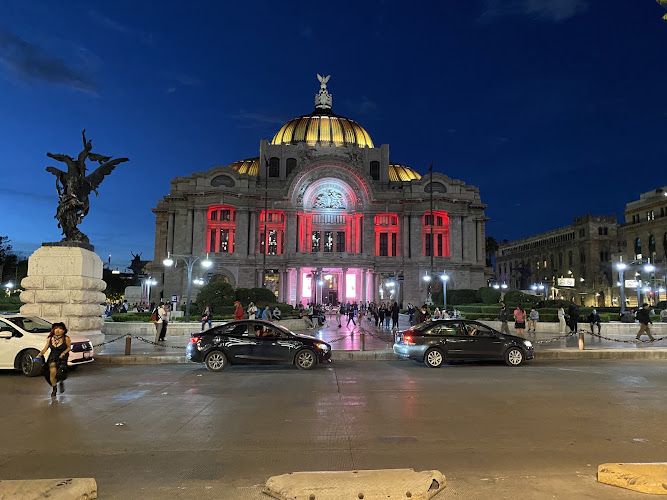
{"type": "Point", "coordinates": [323, 347]}
{"type": "Point", "coordinates": [528, 344]}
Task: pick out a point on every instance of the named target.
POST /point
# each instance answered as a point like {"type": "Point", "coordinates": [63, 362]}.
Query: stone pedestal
{"type": "Point", "coordinates": [65, 284]}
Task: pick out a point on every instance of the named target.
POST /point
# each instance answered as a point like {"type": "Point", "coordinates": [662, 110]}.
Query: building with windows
{"type": "Point", "coordinates": [574, 261]}
{"type": "Point", "coordinates": [322, 214]}
{"type": "Point", "coordinates": [643, 240]}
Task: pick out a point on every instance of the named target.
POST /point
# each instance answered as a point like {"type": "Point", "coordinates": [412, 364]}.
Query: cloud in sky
{"type": "Point", "coordinates": [106, 21]}
{"type": "Point", "coordinates": [32, 63]}
{"type": "Point", "coordinates": [258, 118]}
{"type": "Point", "coordinates": [544, 10]}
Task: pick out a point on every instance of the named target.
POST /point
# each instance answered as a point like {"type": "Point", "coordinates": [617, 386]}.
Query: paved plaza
{"type": "Point", "coordinates": [538, 431]}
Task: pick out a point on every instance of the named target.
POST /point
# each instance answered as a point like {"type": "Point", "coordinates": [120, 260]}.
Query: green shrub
{"type": "Point", "coordinates": [517, 297]}
{"type": "Point", "coordinates": [256, 295]}
{"type": "Point", "coordinates": [122, 318]}
{"type": "Point", "coordinates": [463, 296]}
{"type": "Point", "coordinates": [215, 295]}
{"type": "Point", "coordinates": [10, 304]}
{"type": "Point", "coordinates": [489, 295]}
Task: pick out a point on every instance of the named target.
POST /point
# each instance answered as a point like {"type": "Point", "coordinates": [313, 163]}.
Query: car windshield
{"type": "Point", "coordinates": [31, 324]}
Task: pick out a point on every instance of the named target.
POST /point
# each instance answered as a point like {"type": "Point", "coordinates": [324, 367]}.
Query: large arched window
{"type": "Point", "coordinates": [274, 166]}
{"type": "Point", "coordinates": [651, 244]}
{"type": "Point", "coordinates": [438, 226]}
{"type": "Point", "coordinates": [290, 166]}
{"type": "Point", "coordinates": [638, 247]}
{"type": "Point", "coordinates": [220, 227]}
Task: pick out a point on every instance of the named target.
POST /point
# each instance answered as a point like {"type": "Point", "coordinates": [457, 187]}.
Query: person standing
{"type": "Point", "coordinates": [55, 367]}
{"type": "Point", "coordinates": [206, 318]}
{"type": "Point", "coordinates": [308, 315]}
{"type": "Point", "coordinates": [644, 318]}
{"type": "Point", "coordinates": [252, 311]}
{"type": "Point", "coordinates": [395, 311]}
{"type": "Point", "coordinates": [161, 321]}
{"type": "Point", "coordinates": [594, 319]}
{"type": "Point", "coordinates": [339, 313]}
{"type": "Point", "coordinates": [561, 319]}
{"type": "Point", "coordinates": [350, 316]}
{"type": "Point", "coordinates": [502, 316]}
{"type": "Point", "coordinates": [573, 315]}
{"type": "Point", "coordinates": [519, 320]}
{"type": "Point", "coordinates": [238, 312]}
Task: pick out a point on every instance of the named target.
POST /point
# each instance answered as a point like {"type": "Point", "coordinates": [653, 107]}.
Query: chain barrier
{"type": "Point", "coordinates": [112, 340]}
{"type": "Point", "coordinates": [157, 343]}
{"type": "Point", "coordinates": [555, 339]}
{"type": "Point", "coordinates": [633, 341]}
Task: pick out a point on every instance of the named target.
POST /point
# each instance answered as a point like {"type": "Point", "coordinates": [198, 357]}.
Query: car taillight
{"type": "Point", "coordinates": [194, 340]}
{"type": "Point", "coordinates": [407, 339]}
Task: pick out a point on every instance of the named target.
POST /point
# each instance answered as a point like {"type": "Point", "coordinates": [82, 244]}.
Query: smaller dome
{"type": "Point", "coordinates": [323, 129]}
{"type": "Point", "coordinates": [399, 173]}
{"type": "Point", "coordinates": [249, 166]}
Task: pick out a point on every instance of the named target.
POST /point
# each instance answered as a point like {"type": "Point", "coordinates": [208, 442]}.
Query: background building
{"type": "Point", "coordinates": [643, 240]}
{"type": "Point", "coordinates": [574, 261]}
{"type": "Point", "coordinates": [325, 216]}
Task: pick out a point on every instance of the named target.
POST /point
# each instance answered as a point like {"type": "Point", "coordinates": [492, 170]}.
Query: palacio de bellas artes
{"type": "Point", "coordinates": [323, 215]}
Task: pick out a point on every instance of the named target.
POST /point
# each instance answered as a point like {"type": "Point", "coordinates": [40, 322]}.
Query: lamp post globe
{"type": "Point", "coordinates": [620, 267]}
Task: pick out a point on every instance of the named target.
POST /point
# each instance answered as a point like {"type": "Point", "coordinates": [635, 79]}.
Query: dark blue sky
{"type": "Point", "coordinates": [553, 108]}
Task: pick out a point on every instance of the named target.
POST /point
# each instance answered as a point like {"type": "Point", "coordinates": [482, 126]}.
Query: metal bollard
{"type": "Point", "coordinates": [581, 340]}
{"type": "Point", "coordinates": [128, 346]}
{"type": "Point", "coordinates": [362, 339]}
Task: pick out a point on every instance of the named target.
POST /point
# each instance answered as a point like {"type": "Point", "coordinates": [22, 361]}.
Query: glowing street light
{"type": "Point", "coordinates": [621, 266]}
{"type": "Point", "coordinates": [189, 260]}
{"type": "Point", "coordinates": [444, 277]}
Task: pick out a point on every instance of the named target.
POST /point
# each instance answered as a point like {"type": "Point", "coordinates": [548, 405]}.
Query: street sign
{"type": "Point", "coordinates": [565, 281]}
{"type": "Point", "coordinates": [631, 283]}
{"type": "Point", "coordinates": [174, 299]}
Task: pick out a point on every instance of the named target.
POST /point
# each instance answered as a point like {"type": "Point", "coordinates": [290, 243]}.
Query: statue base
{"type": "Point", "coordinates": [70, 244]}
{"type": "Point", "coordinates": [64, 283]}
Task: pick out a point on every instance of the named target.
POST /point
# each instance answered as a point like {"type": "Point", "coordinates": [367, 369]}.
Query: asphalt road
{"type": "Point", "coordinates": [536, 431]}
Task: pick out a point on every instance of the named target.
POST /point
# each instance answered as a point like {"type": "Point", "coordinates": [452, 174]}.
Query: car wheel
{"type": "Point", "coordinates": [434, 358]}
{"type": "Point", "coordinates": [30, 367]}
{"type": "Point", "coordinates": [305, 359]}
{"type": "Point", "coordinates": [514, 356]}
{"type": "Point", "coordinates": [216, 361]}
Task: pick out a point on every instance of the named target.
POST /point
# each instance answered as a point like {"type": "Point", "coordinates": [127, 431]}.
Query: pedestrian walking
{"type": "Point", "coordinates": [561, 319]}
{"type": "Point", "coordinates": [238, 312]}
{"type": "Point", "coordinates": [395, 311]}
{"type": "Point", "coordinates": [206, 318]}
{"type": "Point", "coordinates": [339, 312]}
{"type": "Point", "coordinates": [308, 316]}
{"type": "Point", "coordinates": [55, 367]}
{"type": "Point", "coordinates": [502, 316]}
{"type": "Point", "coordinates": [350, 317]}
{"type": "Point", "coordinates": [594, 319]}
{"type": "Point", "coordinates": [519, 320]}
{"type": "Point", "coordinates": [644, 318]}
{"type": "Point", "coordinates": [533, 318]}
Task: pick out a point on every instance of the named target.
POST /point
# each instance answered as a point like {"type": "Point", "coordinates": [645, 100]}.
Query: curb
{"type": "Point", "coordinates": [388, 355]}
{"type": "Point", "coordinates": [646, 478]}
{"type": "Point", "coordinates": [55, 489]}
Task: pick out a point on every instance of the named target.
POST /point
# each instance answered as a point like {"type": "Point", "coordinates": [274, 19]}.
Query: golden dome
{"type": "Point", "coordinates": [325, 129]}
{"type": "Point", "coordinates": [399, 173]}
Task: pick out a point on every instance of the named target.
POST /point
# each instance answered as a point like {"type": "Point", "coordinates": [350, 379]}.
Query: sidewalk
{"type": "Point", "coordinates": [345, 342]}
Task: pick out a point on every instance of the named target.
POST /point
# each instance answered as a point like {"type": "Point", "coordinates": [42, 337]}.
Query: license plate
{"type": "Point", "coordinates": [86, 355]}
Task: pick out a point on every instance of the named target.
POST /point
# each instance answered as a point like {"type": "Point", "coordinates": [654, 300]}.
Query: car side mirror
{"type": "Point", "coordinates": [5, 334]}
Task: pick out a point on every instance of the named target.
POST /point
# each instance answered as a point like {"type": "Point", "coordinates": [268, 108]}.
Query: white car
{"type": "Point", "coordinates": [21, 339]}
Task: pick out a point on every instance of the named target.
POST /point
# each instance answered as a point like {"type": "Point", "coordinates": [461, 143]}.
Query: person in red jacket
{"type": "Point", "coordinates": [238, 312]}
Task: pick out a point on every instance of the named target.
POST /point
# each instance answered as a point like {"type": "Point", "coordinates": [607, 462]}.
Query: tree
{"type": "Point", "coordinates": [215, 295]}
{"type": "Point", "coordinates": [5, 254]}
{"type": "Point", "coordinates": [491, 249]}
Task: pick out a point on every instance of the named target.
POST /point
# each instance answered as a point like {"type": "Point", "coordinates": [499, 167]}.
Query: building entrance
{"type": "Point", "coordinates": [331, 297]}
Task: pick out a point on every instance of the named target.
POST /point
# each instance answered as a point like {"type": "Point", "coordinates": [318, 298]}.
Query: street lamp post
{"type": "Point", "coordinates": [444, 277]}
{"type": "Point", "coordinates": [190, 262]}
{"type": "Point", "coordinates": [621, 266]}
{"type": "Point", "coordinates": [148, 283]}
{"type": "Point", "coordinates": [650, 268]}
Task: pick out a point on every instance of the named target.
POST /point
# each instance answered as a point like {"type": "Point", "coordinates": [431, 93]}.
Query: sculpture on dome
{"type": "Point", "coordinates": [74, 186]}
{"type": "Point", "coordinates": [323, 99]}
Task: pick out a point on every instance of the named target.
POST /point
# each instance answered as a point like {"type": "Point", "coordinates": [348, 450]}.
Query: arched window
{"type": "Point", "coordinates": [638, 247]}
{"type": "Point", "coordinates": [437, 226]}
{"type": "Point", "coordinates": [220, 228]}
{"type": "Point", "coordinates": [291, 165]}
{"type": "Point", "coordinates": [222, 180]}
{"type": "Point", "coordinates": [274, 167]}
{"type": "Point", "coordinates": [569, 258]}
{"type": "Point", "coordinates": [651, 244]}
{"type": "Point", "coordinates": [582, 256]}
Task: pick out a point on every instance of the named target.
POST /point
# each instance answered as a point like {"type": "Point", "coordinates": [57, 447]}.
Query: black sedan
{"type": "Point", "coordinates": [255, 341]}
{"type": "Point", "coordinates": [438, 341]}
